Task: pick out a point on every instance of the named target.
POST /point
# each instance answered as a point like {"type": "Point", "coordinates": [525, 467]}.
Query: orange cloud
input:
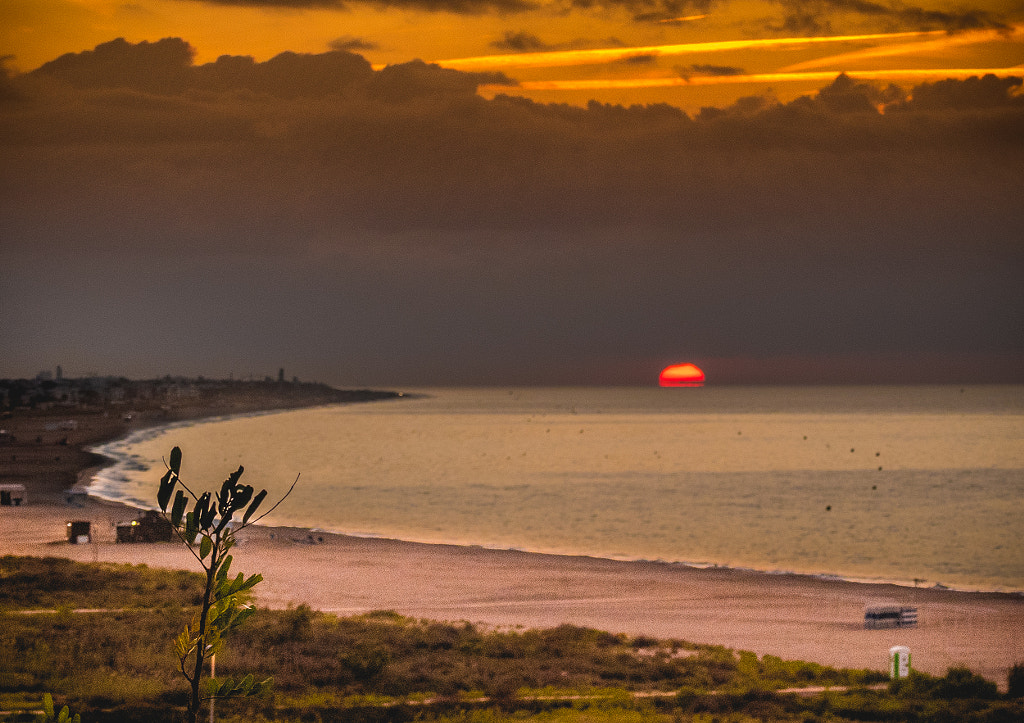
{"type": "Point", "coordinates": [683, 19]}
{"type": "Point", "coordinates": [607, 55]}
{"type": "Point", "coordinates": [824, 75]}
{"type": "Point", "coordinates": [931, 45]}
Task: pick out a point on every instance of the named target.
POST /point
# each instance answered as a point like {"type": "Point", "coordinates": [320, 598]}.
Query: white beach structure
{"type": "Point", "coordinates": [13, 495]}
{"type": "Point", "coordinates": [899, 662]}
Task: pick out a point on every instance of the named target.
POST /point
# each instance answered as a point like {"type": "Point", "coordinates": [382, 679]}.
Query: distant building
{"type": "Point", "coordinates": [150, 527]}
{"type": "Point", "coordinates": [13, 495]}
{"type": "Point", "coordinates": [79, 532]}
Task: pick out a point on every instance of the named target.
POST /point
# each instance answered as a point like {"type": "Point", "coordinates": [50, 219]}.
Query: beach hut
{"type": "Point", "coordinates": [79, 532]}
{"type": "Point", "coordinates": [150, 527]}
{"type": "Point", "coordinates": [13, 495]}
{"type": "Point", "coordinates": [76, 496]}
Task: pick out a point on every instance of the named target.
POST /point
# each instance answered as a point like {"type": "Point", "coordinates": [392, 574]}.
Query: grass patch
{"type": "Point", "coordinates": [384, 667]}
{"type": "Point", "coordinates": [56, 583]}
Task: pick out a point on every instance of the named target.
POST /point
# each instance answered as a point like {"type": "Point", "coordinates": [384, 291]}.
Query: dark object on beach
{"type": "Point", "coordinates": [79, 532]}
{"type": "Point", "coordinates": [76, 496]}
{"type": "Point", "coordinates": [151, 527]}
{"type": "Point", "coordinates": [889, 616]}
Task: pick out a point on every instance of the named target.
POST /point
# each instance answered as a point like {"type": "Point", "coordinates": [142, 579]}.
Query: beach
{"type": "Point", "coordinates": [789, 616]}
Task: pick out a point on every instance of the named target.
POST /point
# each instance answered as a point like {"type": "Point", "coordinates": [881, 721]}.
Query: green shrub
{"type": "Point", "coordinates": [1015, 681]}
{"type": "Point", "coordinates": [960, 682]}
{"type": "Point", "coordinates": [52, 582]}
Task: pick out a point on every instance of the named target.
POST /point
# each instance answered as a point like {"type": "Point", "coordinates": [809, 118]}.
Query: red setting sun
{"type": "Point", "coordinates": [681, 375]}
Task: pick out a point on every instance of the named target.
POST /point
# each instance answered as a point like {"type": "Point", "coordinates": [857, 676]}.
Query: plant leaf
{"type": "Point", "coordinates": [179, 508]}
{"type": "Point", "coordinates": [223, 572]}
{"type": "Point", "coordinates": [200, 508]}
{"type": "Point", "coordinates": [191, 530]}
{"type": "Point", "coordinates": [175, 463]}
{"type": "Point", "coordinates": [225, 493]}
{"type": "Point", "coordinates": [208, 515]}
{"type": "Point", "coordinates": [257, 578]}
{"type": "Point", "coordinates": [205, 545]}
{"type": "Point", "coordinates": [252, 508]}
{"type": "Point", "coordinates": [243, 493]}
{"type": "Point", "coordinates": [163, 495]}
{"type": "Point", "coordinates": [242, 616]}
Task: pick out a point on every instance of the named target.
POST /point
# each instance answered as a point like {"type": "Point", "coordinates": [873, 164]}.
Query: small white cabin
{"type": "Point", "coordinates": [13, 495]}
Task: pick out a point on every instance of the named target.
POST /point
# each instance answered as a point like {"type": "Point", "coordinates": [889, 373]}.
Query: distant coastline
{"type": "Point", "coordinates": [781, 614]}
{"type": "Point", "coordinates": [50, 427]}
{"type": "Point", "coordinates": [56, 445]}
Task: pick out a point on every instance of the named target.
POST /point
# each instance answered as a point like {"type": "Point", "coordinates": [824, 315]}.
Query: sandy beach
{"type": "Point", "coordinates": [793, 617]}
{"type": "Point", "coordinates": [789, 616]}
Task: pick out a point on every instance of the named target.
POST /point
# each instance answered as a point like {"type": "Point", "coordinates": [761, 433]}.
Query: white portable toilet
{"type": "Point", "coordinates": [899, 662]}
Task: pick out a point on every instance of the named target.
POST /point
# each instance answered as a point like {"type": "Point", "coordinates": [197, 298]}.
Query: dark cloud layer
{"type": "Point", "coordinates": [279, 3]}
{"type": "Point", "coordinates": [688, 71]}
{"type": "Point", "coordinates": [393, 227]}
{"type": "Point", "coordinates": [452, 6]}
{"type": "Point", "coordinates": [521, 42]}
{"type": "Point", "coordinates": [352, 44]}
{"type": "Point", "coordinates": [165, 68]}
{"type": "Point", "coordinates": [524, 42]}
{"type": "Point", "coordinates": [815, 17]}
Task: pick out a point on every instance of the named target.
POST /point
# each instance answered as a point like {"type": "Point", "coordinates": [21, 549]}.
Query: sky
{"type": "Point", "coordinates": [509, 192]}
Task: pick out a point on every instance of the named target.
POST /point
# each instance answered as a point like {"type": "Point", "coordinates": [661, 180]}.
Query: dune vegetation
{"type": "Point", "coordinates": [115, 663]}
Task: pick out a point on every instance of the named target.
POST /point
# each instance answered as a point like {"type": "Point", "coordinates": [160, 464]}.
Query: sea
{"type": "Point", "coordinates": [917, 485]}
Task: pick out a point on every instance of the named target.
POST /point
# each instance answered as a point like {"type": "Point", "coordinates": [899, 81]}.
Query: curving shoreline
{"type": "Point", "coordinates": [507, 469]}
{"type": "Point", "coordinates": [791, 616]}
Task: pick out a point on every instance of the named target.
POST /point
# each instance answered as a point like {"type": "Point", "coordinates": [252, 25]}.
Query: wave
{"type": "Point", "coordinates": [108, 482]}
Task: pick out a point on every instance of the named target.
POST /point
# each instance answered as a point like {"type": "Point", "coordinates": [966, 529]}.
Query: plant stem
{"type": "Point", "coordinates": [211, 572]}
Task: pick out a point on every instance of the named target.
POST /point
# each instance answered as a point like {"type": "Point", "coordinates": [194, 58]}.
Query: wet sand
{"type": "Point", "coordinates": [789, 616]}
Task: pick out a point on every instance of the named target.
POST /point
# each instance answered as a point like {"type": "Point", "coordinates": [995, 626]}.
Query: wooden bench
{"type": "Point", "coordinates": [889, 616]}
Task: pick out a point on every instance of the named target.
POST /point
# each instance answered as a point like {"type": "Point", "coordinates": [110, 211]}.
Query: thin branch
{"type": "Point", "coordinates": [253, 522]}
{"type": "Point", "coordinates": [188, 546]}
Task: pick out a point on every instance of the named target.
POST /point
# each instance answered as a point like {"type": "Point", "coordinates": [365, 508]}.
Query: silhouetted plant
{"type": "Point", "coordinates": [1015, 681]}
{"type": "Point", "coordinates": [50, 716]}
{"type": "Point", "coordinates": [222, 609]}
{"type": "Point", "coordinates": [961, 682]}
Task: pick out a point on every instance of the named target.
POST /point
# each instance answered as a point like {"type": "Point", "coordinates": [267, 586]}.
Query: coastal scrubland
{"type": "Point", "coordinates": [98, 637]}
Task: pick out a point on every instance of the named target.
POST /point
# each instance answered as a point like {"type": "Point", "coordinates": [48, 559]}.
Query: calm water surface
{"type": "Point", "coordinates": [876, 483]}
